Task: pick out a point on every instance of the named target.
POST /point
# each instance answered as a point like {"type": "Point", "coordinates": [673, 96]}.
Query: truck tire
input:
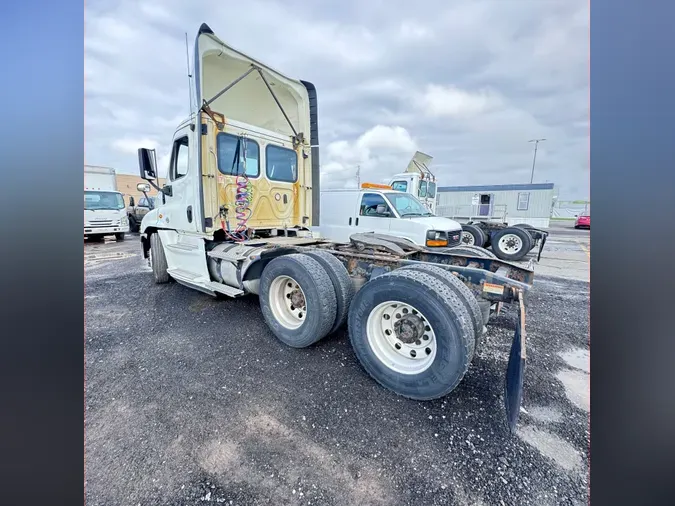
{"type": "Point", "coordinates": [133, 224]}
{"type": "Point", "coordinates": [473, 235]}
{"type": "Point", "coordinates": [527, 228]}
{"type": "Point", "coordinates": [342, 283]}
{"type": "Point", "coordinates": [420, 305]}
{"type": "Point", "coordinates": [286, 283]}
{"type": "Point", "coordinates": [512, 243]}
{"type": "Point", "coordinates": [462, 291]}
{"type": "Point", "coordinates": [158, 260]}
{"type": "Point", "coordinates": [119, 237]}
{"type": "Point", "coordinates": [472, 250]}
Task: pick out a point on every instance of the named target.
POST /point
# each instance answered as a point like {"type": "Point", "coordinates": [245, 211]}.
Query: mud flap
{"type": "Point", "coordinates": [515, 371]}
{"type": "Point", "coordinates": [541, 246]}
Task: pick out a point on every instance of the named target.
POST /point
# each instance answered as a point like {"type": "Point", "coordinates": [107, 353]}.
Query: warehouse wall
{"type": "Point", "coordinates": [126, 184]}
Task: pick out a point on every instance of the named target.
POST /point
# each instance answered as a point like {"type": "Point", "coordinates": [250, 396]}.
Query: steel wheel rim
{"type": "Point", "coordinates": [468, 238]}
{"type": "Point", "coordinates": [394, 336]}
{"type": "Point", "coordinates": [288, 303]}
{"type": "Point", "coordinates": [510, 243]}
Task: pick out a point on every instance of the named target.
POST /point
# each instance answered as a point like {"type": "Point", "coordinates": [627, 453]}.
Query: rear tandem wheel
{"type": "Point", "coordinates": [297, 300]}
{"type": "Point", "coordinates": [411, 333]}
{"type": "Point", "coordinates": [512, 243]}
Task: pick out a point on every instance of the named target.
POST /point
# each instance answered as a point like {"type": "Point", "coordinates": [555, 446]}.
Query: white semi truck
{"type": "Point", "coordinates": [235, 218]}
{"type": "Point", "coordinates": [104, 209]}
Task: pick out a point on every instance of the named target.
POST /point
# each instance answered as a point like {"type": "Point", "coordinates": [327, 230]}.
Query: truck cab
{"type": "Point", "coordinates": [383, 210]}
{"type": "Point", "coordinates": [417, 180]}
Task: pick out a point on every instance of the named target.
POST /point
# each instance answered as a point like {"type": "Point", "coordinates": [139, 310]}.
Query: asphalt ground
{"type": "Point", "coordinates": [192, 400]}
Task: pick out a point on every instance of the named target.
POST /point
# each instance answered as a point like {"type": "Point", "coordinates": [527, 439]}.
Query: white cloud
{"type": "Point", "coordinates": [379, 152]}
{"type": "Point", "coordinates": [130, 146]}
{"type": "Point", "coordinates": [469, 81]}
{"type": "Point", "coordinates": [412, 30]}
{"type": "Point", "coordinates": [454, 102]}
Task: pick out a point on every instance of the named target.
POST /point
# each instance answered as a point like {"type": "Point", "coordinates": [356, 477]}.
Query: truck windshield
{"type": "Point", "coordinates": [103, 200]}
{"type": "Point", "coordinates": [431, 190]}
{"type": "Point", "coordinates": [407, 205]}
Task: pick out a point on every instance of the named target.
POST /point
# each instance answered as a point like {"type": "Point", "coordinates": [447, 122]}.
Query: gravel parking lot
{"type": "Point", "coordinates": [191, 400]}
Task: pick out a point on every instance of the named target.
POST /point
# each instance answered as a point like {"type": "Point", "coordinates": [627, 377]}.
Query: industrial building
{"type": "Point", "coordinates": [509, 203]}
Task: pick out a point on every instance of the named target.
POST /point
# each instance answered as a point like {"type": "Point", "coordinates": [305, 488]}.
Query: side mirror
{"type": "Point", "coordinates": [132, 202]}
{"type": "Point", "coordinates": [147, 164]}
{"type": "Point", "coordinates": [143, 187]}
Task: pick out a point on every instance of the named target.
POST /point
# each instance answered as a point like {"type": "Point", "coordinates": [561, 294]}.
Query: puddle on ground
{"type": "Point", "coordinates": [577, 387]}
{"type": "Point", "coordinates": [578, 358]}
{"type": "Point", "coordinates": [577, 379]}
{"type": "Point", "coordinates": [552, 446]}
{"type": "Point", "coordinates": [545, 414]}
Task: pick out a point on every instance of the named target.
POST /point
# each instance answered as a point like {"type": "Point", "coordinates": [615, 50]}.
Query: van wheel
{"type": "Point", "coordinates": [119, 237]}
{"type": "Point", "coordinates": [297, 300]}
{"type": "Point", "coordinates": [512, 243]}
{"type": "Point", "coordinates": [342, 284]}
{"type": "Point", "coordinates": [411, 333]}
{"type": "Point", "coordinates": [473, 236]}
{"type": "Point", "coordinates": [158, 260]}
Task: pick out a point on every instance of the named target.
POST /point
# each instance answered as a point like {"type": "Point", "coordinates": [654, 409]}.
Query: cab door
{"type": "Point", "coordinates": [375, 214]}
{"type": "Point", "coordinates": [178, 211]}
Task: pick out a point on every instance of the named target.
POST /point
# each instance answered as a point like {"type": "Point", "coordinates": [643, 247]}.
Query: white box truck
{"type": "Point", "coordinates": [104, 209]}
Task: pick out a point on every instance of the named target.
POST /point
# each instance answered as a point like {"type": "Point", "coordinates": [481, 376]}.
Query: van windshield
{"type": "Point", "coordinates": [407, 205]}
{"type": "Point", "coordinates": [103, 200]}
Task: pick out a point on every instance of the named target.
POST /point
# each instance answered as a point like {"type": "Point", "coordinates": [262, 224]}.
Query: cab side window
{"type": "Point", "coordinates": [281, 164]}
{"type": "Point", "coordinates": [374, 205]}
{"type": "Point", "coordinates": [179, 159]}
{"type": "Point", "coordinates": [400, 186]}
{"type": "Point", "coordinates": [423, 189]}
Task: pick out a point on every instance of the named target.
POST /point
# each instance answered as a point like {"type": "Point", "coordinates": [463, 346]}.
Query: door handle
{"type": "Point", "coordinates": [189, 214]}
{"type": "Point", "coordinates": [357, 221]}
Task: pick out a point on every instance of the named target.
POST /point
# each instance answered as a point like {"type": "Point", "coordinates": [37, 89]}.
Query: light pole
{"type": "Point", "coordinates": [534, 160]}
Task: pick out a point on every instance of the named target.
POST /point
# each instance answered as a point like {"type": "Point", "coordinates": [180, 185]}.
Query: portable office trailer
{"type": "Point", "coordinates": [508, 203]}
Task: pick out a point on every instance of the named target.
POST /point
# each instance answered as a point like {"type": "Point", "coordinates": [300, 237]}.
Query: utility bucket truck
{"type": "Point", "coordinates": [234, 218]}
{"type": "Point", "coordinates": [418, 180]}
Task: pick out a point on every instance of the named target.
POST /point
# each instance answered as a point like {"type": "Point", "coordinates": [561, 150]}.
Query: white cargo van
{"type": "Point", "coordinates": [379, 209]}
{"type": "Point", "coordinates": [104, 209]}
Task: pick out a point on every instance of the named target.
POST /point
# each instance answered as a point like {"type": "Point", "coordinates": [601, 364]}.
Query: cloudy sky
{"type": "Point", "coordinates": [467, 81]}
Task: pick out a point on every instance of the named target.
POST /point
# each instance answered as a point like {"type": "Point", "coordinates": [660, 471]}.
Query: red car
{"type": "Point", "coordinates": [583, 221]}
